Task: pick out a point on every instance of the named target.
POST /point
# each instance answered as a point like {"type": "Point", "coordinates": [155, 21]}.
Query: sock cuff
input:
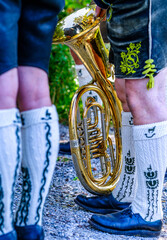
{"type": "Point", "coordinates": [84, 76]}
{"type": "Point", "coordinates": [9, 117]}
{"type": "Point", "coordinates": [78, 67]}
{"type": "Point", "coordinates": [39, 115]}
{"type": "Point", "coordinates": [127, 119]}
{"type": "Point", "coordinates": [150, 131]}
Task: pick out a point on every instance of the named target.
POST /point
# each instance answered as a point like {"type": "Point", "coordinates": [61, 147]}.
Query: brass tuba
{"type": "Point", "coordinates": [96, 152]}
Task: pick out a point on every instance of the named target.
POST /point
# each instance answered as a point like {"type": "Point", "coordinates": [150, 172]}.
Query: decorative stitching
{"type": "Point", "coordinates": [1, 207]}
{"type": "Point", "coordinates": [131, 121]}
{"type": "Point", "coordinates": [128, 180]}
{"type": "Point", "coordinates": [109, 14]}
{"type": "Point", "coordinates": [22, 213]}
{"type": "Point", "coordinates": [152, 183]}
{"type": "Point", "coordinates": [151, 132]}
{"type": "Point", "coordinates": [125, 190]}
{"type": "Point", "coordinates": [120, 190]}
{"type": "Point", "coordinates": [129, 164]}
{"type": "Point", "coordinates": [18, 141]}
{"type": "Point", "coordinates": [45, 171]}
{"type": "Point", "coordinates": [22, 120]}
{"type": "Point", "coordinates": [153, 199]}
{"type": "Point", "coordinates": [149, 204]}
{"type": "Point", "coordinates": [150, 174]}
{"type": "Point", "coordinates": [130, 59]}
{"type": "Point", "coordinates": [156, 206]}
{"type": "Point", "coordinates": [131, 187]}
{"type": "Point", "coordinates": [80, 73]}
{"type": "Point", "coordinates": [18, 118]}
{"type": "Point", "coordinates": [149, 72]}
{"type": "Point", "coordinates": [47, 115]}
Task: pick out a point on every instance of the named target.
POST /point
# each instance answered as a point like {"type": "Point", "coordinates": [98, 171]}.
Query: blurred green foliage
{"type": "Point", "coordinates": [62, 80]}
{"type": "Point", "coordinates": [73, 5]}
{"type": "Point", "coordinates": [62, 76]}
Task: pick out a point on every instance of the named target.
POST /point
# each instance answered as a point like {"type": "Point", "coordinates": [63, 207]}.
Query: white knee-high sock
{"type": "Point", "coordinates": [126, 187]}
{"type": "Point", "coordinates": [10, 155]}
{"type": "Point", "coordinates": [40, 138]}
{"type": "Point", "coordinates": [151, 158]}
{"type": "Point", "coordinates": [84, 78]}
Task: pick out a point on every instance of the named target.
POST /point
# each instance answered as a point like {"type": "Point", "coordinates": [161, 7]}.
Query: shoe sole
{"type": "Point", "coordinates": [139, 232]}
{"type": "Point", "coordinates": [95, 210]}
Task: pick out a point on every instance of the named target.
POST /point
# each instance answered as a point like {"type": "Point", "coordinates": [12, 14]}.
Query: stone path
{"type": "Point", "coordinates": [63, 219]}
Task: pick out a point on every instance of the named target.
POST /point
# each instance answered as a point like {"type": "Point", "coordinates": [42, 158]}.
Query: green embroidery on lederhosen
{"type": "Point", "coordinates": [130, 59]}
{"type": "Point", "coordinates": [149, 72]}
{"type": "Point", "coordinates": [109, 14]}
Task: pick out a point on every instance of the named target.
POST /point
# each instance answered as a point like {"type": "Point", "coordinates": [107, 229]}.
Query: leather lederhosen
{"type": "Point", "coordinates": [26, 30]}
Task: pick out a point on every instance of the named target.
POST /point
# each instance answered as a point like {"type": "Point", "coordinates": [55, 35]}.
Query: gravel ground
{"type": "Point", "coordinates": [63, 219]}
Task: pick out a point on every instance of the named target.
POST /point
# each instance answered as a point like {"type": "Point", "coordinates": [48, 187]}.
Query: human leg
{"type": "Point", "coordinates": [126, 187]}
{"type": "Point", "coordinates": [124, 192]}
{"type": "Point", "coordinates": [139, 61]}
{"type": "Point", "coordinates": [150, 136]}
{"type": "Point", "coordinates": [40, 139]}
{"type": "Point", "coordinates": [40, 133]}
{"type": "Point", "coordinates": [10, 151]}
{"type": "Point", "coordinates": [150, 141]}
{"type": "Point", "coordinates": [107, 203]}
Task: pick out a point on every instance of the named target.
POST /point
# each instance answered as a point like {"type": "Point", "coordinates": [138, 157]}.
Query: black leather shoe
{"type": "Point", "coordinates": [101, 204]}
{"type": "Point", "coordinates": [127, 223]}
{"type": "Point", "coordinates": [30, 232]}
{"type": "Point", "coordinates": [64, 148]}
{"type": "Point", "coordinates": [9, 236]}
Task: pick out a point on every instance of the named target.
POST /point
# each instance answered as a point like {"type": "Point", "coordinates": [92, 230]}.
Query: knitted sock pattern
{"type": "Point", "coordinates": [10, 158]}
{"type": "Point", "coordinates": [40, 137]}
{"type": "Point", "coordinates": [126, 187]}
{"type": "Point", "coordinates": [151, 157]}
